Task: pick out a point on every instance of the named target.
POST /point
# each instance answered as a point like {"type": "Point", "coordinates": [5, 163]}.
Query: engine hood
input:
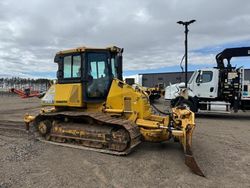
{"type": "Point", "coordinates": [172, 91]}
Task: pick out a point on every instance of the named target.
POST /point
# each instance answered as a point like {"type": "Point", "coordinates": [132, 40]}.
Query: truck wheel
{"type": "Point", "coordinates": [190, 105]}
{"type": "Point", "coordinates": [187, 103]}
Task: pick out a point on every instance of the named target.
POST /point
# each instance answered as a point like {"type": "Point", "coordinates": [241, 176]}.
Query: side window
{"type": "Point", "coordinates": [204, 77]}
{"type": "Point", "coordinates": [207, 76]}
{"type": "Point", "coordinates": [67, 67]}
{"type": "Point", "coordinates": [76, 67]}
{"type": "Point", "coordinates": [114, 71]}
{"type": "Point", "coordinates": [72, 66]}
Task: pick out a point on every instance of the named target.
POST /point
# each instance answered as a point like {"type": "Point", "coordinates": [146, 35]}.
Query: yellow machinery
{"type": "Point", "coordinates": [154, 93]}
{"type": "Point", "coordinates": [91, 108]}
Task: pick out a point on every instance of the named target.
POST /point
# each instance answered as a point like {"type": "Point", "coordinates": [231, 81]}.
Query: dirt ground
{"type": "Point", "coordinates": [221, 144]}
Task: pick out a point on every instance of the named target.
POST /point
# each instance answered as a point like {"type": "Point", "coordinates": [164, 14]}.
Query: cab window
{"type": "Point", "coordinates": [99, 78]}
{"type": "Point", "coordinates": [72, 66]}
{"type": "Point", "coordinates": [67, 67]}
{"type": "Point", "coordinates": [204, 77]}
{"type": "Point", "coordinates": [97, 69]}
{"type": "Point", "coordinates": [114, 69]}
{"type": "Point", "coordinates": [76, 66]}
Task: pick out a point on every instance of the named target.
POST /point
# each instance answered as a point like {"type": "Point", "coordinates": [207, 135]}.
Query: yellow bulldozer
{"type": "Point", "coordinates": [91, 108]}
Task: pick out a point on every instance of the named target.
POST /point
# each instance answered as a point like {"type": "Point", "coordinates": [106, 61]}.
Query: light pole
{"type": "Point", "coordinates": [186, 24]}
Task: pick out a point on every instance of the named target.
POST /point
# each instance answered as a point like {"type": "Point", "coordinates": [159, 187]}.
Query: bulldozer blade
{"type": "Point", "coordinates": [191, 163]}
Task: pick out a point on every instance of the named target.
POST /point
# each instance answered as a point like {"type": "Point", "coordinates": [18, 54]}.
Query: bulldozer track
{"type": "Point", "coordinates": [130, 127]}
{"type": "Point", "coordinates": [87, 148]}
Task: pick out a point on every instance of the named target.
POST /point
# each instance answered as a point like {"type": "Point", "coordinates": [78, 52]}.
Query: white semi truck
{"type": "Point", "coordinates": [219, 89]}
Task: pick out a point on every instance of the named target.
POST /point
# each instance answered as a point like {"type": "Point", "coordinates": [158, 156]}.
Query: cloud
{"type": "Point", "coordinates": [31, 32]}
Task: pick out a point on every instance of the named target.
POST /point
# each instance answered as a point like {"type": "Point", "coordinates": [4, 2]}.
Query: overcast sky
{"type": "Point", "coordinates": [32, 31]}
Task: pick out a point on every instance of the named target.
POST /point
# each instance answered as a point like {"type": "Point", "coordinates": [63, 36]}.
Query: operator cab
{"type": "Point", "coordinates": [92, 67]}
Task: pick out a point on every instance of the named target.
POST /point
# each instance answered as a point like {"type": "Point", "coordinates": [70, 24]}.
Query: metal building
{"type": "Point", "coordinates": [153, 79]}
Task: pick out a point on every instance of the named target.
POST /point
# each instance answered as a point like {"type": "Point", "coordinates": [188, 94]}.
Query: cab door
{"type": "Point", "coordinates": [206, 83]}
{"type": "Point", "coordinates": [98, 76]}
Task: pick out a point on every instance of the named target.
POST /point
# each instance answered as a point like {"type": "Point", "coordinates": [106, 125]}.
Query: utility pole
{"type": "Point", "coordinates": [186, 24]}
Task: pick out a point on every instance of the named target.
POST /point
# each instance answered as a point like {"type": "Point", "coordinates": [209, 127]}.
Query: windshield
{"type": "Point", "coordinates": [192, 77]}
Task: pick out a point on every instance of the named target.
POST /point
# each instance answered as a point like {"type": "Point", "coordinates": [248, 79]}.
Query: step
{"type": "Point", "coordinates": [215, 103]}
{"type": "Point", "coordinates": [213, 112]}
{"type": "Point", "coordinates": [217, 106]}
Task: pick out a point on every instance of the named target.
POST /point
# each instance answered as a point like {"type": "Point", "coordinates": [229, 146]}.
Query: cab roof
{"type": "Point", "coordinates": [84, 48]}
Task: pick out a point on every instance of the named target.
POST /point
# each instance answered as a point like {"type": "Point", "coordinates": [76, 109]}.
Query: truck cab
{"type": "Point", "coordinates": [221, 88]}
{"type": "Point", "coordinates": [202, 84]}
{"type": "Point", "coordinates": [212, 89]}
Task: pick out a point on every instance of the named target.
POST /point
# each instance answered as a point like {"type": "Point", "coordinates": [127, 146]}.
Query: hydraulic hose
{"type": "Point", "coordinates": [151, 103]}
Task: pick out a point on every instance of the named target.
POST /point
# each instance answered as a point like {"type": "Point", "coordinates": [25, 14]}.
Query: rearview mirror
{"type": "Point", "coordinates": [199, 77]}
{"type": "Point", "coordinates": [59, 74]}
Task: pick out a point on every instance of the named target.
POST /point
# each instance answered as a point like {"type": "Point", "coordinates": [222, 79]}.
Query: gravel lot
{"type": "Point", "coordinates": [221, 144]}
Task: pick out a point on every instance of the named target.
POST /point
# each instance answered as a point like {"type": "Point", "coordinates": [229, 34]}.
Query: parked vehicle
{"type": "Point", "coordinates": [222, 88]}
